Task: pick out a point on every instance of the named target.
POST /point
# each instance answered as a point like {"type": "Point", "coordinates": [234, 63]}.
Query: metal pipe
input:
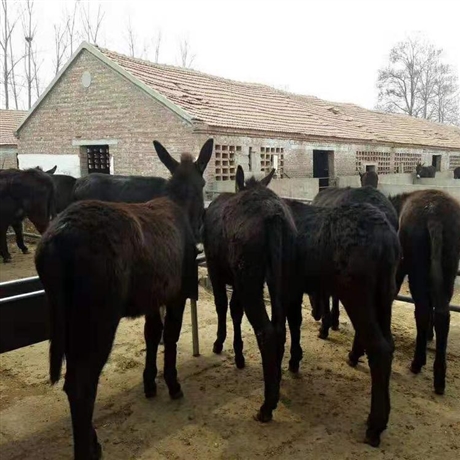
{"type": "Point", "coordinates": [195, 338]}
{"type": "Point", "coordinates": [407, 299]}
{"type": "Point", "coordinates": [29, 235]}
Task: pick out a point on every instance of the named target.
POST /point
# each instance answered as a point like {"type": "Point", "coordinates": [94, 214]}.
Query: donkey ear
{"type": "Point", "coordinates": [165, 157]}
{"type": "Point", "coordinates": [205, 155]}
{"type": "Point", "coordinates": [52, 170]}
{"type": "Point", "coordinates": [267, 179]}
{"type": "Point", "coordinates": [239, 179]}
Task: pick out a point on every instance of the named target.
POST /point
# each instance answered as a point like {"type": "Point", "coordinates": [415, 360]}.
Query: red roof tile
{"type": "Point", "coordinates": [9, 122]}
{"type": "Point", "coordinates": [223, 103]}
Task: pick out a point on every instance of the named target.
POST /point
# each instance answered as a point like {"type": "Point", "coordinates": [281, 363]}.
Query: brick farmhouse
{"type": "Point", "coordinates": [104, 109]}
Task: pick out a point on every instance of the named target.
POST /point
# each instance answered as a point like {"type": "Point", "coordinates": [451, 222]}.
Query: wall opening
{"type": "Point", "coordinates": [436, 162]}
{"type": "Point", "coordinates": [321, 166]}
{"type": "Point", "coordinates": [371, 168]}
{"type": "Point", "coordinates": [98, 159]}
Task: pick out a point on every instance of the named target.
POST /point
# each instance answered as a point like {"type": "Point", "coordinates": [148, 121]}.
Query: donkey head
{"type": "Point", "coordinates": [185, 187]}
{"type": "Point", "coordinates": [419, 169]}
{"type": "Point", "coordinates": [241, 184]}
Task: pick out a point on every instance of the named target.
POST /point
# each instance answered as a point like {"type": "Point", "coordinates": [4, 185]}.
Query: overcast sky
{"type": "Point", "coordinates": [329, 48]}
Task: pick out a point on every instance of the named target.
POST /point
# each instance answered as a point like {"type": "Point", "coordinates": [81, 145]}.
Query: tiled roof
{"type": "Point", "coordinates": [223, 103]}
{"type": "Point", "coordinates": [9, 121]}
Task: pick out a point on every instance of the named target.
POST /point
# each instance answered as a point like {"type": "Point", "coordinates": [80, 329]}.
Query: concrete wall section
{"type": "Point", "coordinates": [8, 157]}
{"type": "Point", "coordinates": [396, 189]}
{"type": "Point", "coordinates": [66, 164]}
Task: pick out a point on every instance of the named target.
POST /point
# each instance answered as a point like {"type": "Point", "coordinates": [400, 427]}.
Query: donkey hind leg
{"type": "Point", "coordinates": [6, 256]}
{"type": "Point", "coordinates": [221, 303]}
{"type": "Point", "coordinates": [153, 330]}
{"type": "Point", "coordinates": [17, 227]}
{"type": "Point", "coordinates": [423, 311]}
{"type": "Point", "coordinates": [357, 351]}
{"type": "Point", "coordinates": [294, 317]}
{"type": "Point", "coordinates": [430, 333]}
{"type": "Point", "coordinates": [442, 325]}
{"type": "Point", "coordinates": [236, 310]}
{"type": "Point", "coordinates": [335, 313]}
{"type": "Point", "coordinates": [256, 313]}
{"type": "Point", "coordinates": [326, 319]}
{"type": "Point", "coordinates": [162, 316]}
{"type": "Point", "coordinates": [172, 328]}
{"type": "Point", "coordinates": [84, 365]}
{"type": "Point", "coordinates": [380, 356]}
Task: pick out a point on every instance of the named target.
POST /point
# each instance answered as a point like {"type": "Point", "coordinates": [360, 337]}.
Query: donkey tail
{"type": "Point", "coordinates": [55, 276]}
{"type": "Point", "coordinates": [281, 235]}
{"type": "Point", "coordinates": [436, 277]}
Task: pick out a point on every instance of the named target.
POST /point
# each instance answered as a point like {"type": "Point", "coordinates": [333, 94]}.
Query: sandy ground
{"type": "Point", "coordinates": [321, 413]}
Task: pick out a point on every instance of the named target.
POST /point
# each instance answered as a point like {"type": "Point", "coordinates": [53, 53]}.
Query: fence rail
{"type": "Point", "coordinates": [24, 313]}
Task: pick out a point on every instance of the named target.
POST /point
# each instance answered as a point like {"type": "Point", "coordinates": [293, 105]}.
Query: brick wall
{"type": "Point", "coordinates": [8, 157]}
{"type": "Point", "coordinates": [110, 108]}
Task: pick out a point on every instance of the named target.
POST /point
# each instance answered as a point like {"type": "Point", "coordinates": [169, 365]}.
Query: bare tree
{"type": "Point", "coordinates": [157, 46]}
{"type": "Point", "coordinates": [186, 57]}
{"type": "Point", "coordinates": [416, 82]}
{"type": "Point", "coordinates": [131, 38]}
{"type": "Point", "coordinates": [13, 83]}
{"type": "Point", "coordinates": [91, 27]}
{"type": "Point", "coordinates": [8, 61]}
{"type": "Point", "coordinates": [72, 30]}
{"type": "Point", "coordinates": [61, 45]}
{"type": "Point", "coordinates": [29, 28]}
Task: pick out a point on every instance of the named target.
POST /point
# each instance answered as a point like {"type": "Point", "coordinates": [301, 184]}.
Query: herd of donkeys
{"type": "Point", "coordinates": [126, 246]}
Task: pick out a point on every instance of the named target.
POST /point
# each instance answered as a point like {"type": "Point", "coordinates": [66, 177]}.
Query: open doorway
{"type": "Point", "coordinates": [436, 162]}
{"type": "Point", "coordinates": [321, 166]}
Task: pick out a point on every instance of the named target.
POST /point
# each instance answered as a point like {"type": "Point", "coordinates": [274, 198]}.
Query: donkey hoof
{"type": "Point", "coordinates": [176, 394]}
{"type": "Point", "coordinates": [323, 334]}
{"type": "Point", "coordinates": [415, 367]}
{"type": "Point", "coordinates": [150, 390]}
{"type": "Point", "coordinates": [263, 417]}
{"type": "Point", "coordinates": [439, 391]}
{"type": "Point", "coordinates": [97, 452]}
{"type": "Point", "coordinates": [352, 360]}
{"type": "Point", "coordinates": [7, 260]}
{"type": "Point", "coordinates": [372, 438]}
{"type": "Point", "coordinates": [25, 251]}
{"type": "Point", "coordinates": [335, 327]}
{"type": "Point", "coordinates": [240, 362]}
{"type": "Point", "coordinates": [217, 348]}
{"type": "Point", "coordinates": [294, 367]}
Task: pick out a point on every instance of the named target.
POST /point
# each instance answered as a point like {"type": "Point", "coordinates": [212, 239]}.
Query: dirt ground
{"type": "Point", "coordinates": [321, 414]}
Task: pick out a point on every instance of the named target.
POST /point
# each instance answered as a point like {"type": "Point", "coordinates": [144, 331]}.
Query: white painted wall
{"type": "Point", "coordinates": [66, 164]}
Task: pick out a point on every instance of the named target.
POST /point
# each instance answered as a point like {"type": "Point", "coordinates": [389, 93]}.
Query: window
{"type": "Point", "coordinates": [381, 159]}
{"type": "Point", "coordinates": [272, 157]}
{"type": "Point", "coordinates": [406, 162]}
{"type": "Point", "coordinates": [225, 167]}
{"type": "Point", "coordinates": [454, 162]}
{"type": "Point", "coordinates": [98, 159]}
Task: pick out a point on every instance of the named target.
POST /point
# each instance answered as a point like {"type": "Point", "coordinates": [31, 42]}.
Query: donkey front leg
{"type": "Point", "coordinates": [17, 227]}
{"type": "Point", "coordinates": [172, 328]}
{"type": "Point", "coordinates": [153, 329]}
